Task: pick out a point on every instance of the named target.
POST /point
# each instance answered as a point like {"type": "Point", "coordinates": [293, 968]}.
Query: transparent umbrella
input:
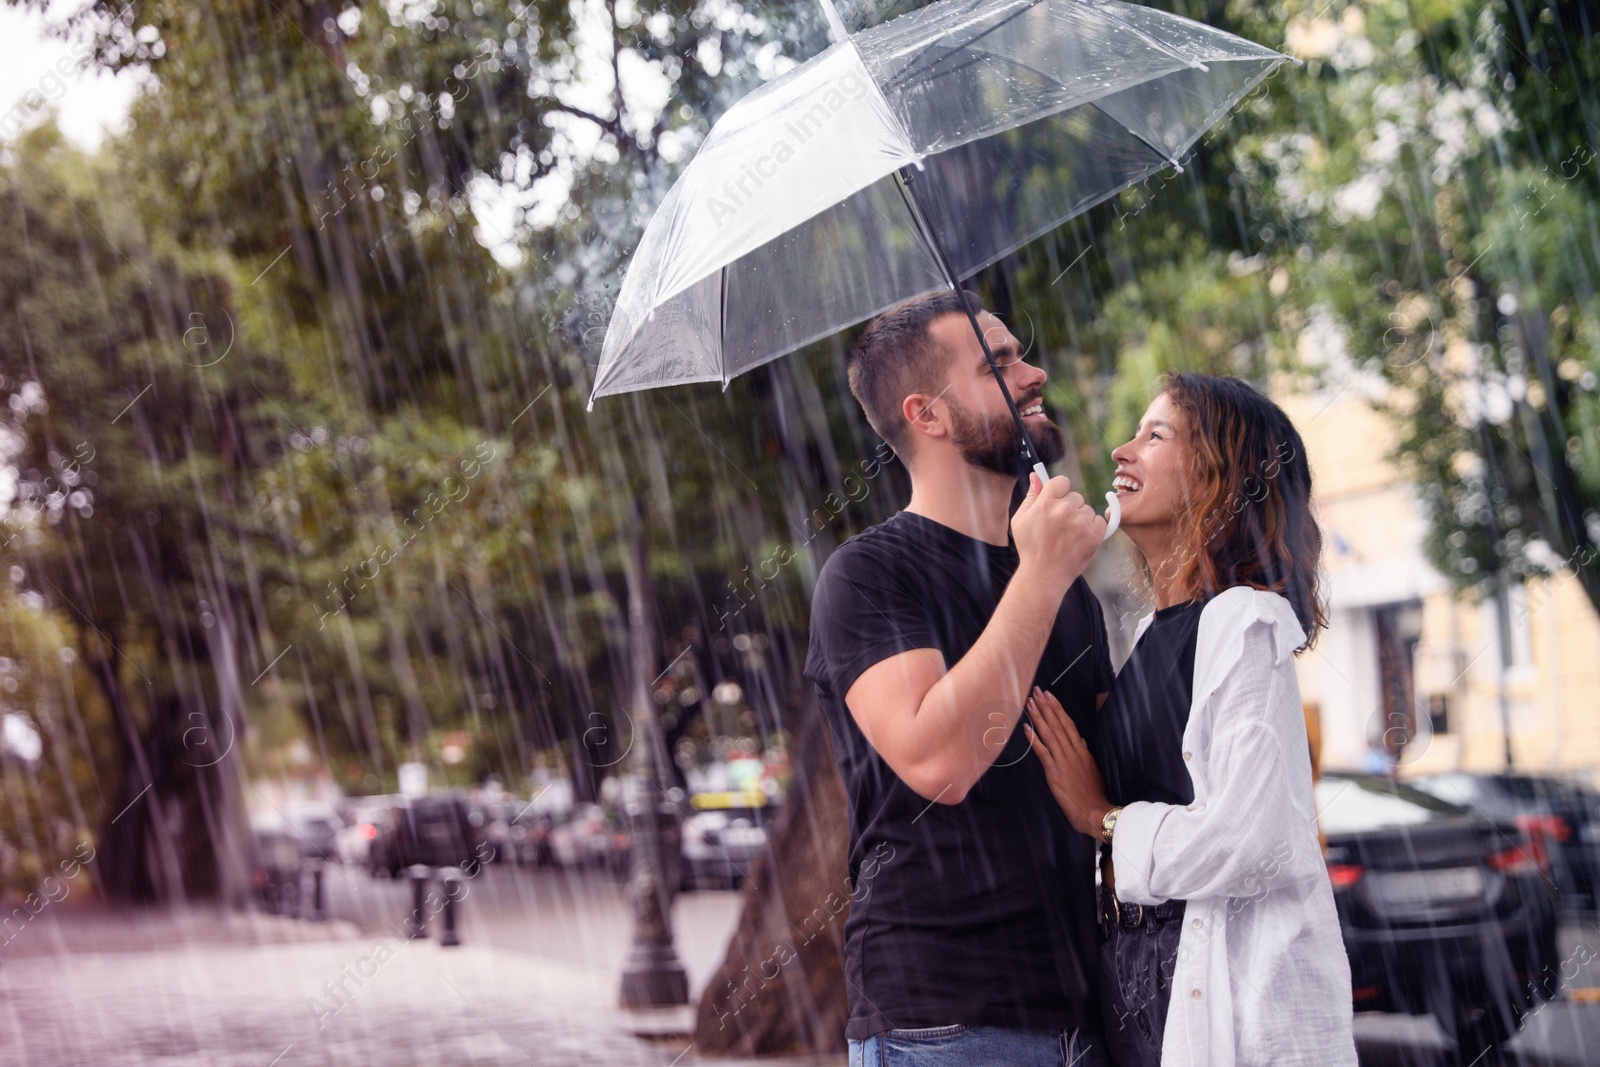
{"type": "Point", "coordinates": [903, 159]}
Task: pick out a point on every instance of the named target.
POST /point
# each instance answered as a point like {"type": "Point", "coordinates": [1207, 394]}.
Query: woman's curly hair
{"type": "Point", "coordinates": [1249, 515]}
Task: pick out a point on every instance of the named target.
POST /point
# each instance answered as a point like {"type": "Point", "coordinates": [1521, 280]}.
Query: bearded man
{"type": "Point", "coordinates": [977, 943]}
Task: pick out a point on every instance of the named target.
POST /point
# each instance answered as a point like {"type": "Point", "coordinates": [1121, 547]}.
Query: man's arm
{"type": "Point", "coordinates": [940, 729]}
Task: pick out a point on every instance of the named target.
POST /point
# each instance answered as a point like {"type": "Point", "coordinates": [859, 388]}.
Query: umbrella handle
{"type": "Point", "coordinates": [1113, 515]}
{"type": "Point", "coordinates": [1113, 504]}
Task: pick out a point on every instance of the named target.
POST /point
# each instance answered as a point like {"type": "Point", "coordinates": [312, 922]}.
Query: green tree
{"type": "Point", "coordinates": [124, 455]}
{"type": "Point", "coordinates": [1446, 196]}
{"type": "Point", "coordinates": [52, 794]}
{"type": "Point", "coordinates": [324, 167]}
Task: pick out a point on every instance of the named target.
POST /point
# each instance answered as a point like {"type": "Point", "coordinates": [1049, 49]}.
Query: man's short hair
{"type": "Point", "coordinates": [896, 356]}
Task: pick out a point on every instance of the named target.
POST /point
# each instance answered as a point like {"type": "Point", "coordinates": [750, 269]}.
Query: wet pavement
{"type": "Point", "coordinates": [255, 991]}
{"type": "Point", "coordinates": [346, 1001]}
{"type": "Point", "coordinates": [534, 984]}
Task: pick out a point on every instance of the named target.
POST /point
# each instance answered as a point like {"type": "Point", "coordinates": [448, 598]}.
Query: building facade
{"type": "Point", "coordinates": [1409, 674]}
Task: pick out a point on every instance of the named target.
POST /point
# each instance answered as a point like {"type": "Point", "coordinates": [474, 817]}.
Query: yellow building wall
{"type": "Point", "coordinates": [1374, 530]}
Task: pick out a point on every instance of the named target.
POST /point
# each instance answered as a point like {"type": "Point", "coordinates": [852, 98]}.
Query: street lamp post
{"type": "Point", "coordinates": [652, 976]}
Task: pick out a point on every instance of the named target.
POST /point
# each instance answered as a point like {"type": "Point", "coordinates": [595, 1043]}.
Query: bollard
{"type": "Point", "coordinates": [416, 922]}
{"type": "Point", "coordinates": [317, 913]}
{"type": "Point", "coordinates": [452, 889]}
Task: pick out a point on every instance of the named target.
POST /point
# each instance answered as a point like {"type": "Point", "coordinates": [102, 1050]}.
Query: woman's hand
{"type": "Point", "coordinates": [1068, 767]}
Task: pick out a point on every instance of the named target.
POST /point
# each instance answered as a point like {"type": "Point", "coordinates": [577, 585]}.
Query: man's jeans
{"type": "Point", "coordinates": [980, 1046]}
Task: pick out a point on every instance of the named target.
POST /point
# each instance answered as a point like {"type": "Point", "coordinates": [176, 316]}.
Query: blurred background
{"type": "Point", "coordinates": [329, 618]}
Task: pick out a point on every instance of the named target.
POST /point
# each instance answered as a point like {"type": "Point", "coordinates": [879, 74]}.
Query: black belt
{"type": "Point", "coordinates": [1115, 913]}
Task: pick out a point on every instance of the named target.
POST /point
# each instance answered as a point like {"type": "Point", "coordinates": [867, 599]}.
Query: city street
{"type": "Point", "coordinates": [534, 982]}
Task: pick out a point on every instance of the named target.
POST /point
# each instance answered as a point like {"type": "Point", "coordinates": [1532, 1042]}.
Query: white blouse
{"type": "Point", "coordinates": [1261, 976]}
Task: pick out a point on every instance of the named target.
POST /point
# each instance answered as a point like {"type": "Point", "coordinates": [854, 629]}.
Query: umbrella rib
{"type": "Point", "coordinates": [981, 54]}
{"type": "Point", "coordinates": [1141, 138]}
{"type": "Point", "coordinates": [924, 231]}
{"type": "Point", "coordinates": [911, 69]}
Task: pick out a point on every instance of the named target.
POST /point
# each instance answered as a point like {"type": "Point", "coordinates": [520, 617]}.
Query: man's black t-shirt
{"type": "Point", "coordinates": [981, 912]}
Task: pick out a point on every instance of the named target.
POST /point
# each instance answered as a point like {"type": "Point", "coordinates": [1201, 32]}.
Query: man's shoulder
{"type": "Point", "coordinates": [877, 566]}
{"type": "Point", "coordinates": [871, 550]}
{"type": "Point", "coordinates": [858, 581]}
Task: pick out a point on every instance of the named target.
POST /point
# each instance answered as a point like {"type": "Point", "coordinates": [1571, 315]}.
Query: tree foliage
{"type": "Point", "coordinates": [364, 433]}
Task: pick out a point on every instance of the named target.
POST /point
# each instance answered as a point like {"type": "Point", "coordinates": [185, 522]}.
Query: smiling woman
{"type": "Point", "coordinates": [1213, 873]}
{"type": "Point", "coordinates": [1215, 491]}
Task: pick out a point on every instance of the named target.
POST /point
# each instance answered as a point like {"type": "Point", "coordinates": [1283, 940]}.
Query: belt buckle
{"type": "Point", "coordinates": [1116, 912]}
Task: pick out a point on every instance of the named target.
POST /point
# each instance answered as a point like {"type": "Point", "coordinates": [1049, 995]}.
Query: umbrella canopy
{"type": "Point", "coordinates": [793, 221]}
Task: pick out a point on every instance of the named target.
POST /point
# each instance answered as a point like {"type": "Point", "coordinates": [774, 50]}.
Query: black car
{"type": "Point", "coordinates": [1562, 818]}
{"type": "Point", "coordinates": [434, 831]}
{"type": "Point", "coordinates": [1444, 912]}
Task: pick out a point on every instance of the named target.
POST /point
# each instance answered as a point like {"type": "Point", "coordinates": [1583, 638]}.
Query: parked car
{"type": "Point", "coordinates": [507, 831]}
{"type": "Point", "coordinates": [591, 837]}
{"type": "Point", "coordinates": [353, 842]}
{"type": "Point", "coordinates": [529, 839]}
{"type": "Point", "coordinates": [723, 836]}
{"type": "Point", "coordinates": [317, 828]}
{"type": "Point", "coordinates": [1562, 818]}
{"type": "Point", "coordinates": [435, 831]}
{"type": "Point", "coordinates": [581, 839]}
{"type": "Point", "coordinates": [1443, 911]}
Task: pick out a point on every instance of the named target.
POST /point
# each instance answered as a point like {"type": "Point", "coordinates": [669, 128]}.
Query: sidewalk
{"type": "Point", "coordinates": [220, 990]}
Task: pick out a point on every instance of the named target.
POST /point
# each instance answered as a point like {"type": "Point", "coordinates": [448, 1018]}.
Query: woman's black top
{"type": "Point", "coordinates": [1138, 742]}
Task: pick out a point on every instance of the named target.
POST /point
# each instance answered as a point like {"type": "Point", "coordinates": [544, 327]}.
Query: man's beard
{"type": "Point", "coordinates": [995, 443]}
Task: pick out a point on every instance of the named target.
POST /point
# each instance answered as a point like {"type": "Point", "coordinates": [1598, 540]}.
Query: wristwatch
{"type": "Point", "coordinates": [1108, 824]}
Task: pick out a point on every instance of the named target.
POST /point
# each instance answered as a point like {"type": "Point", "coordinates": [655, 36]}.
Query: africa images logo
{"type": "Point", "coordinates": [739, 191]}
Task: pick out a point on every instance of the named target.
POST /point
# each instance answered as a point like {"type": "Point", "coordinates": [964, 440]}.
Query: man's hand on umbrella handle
{"type": "Point", "coordinates": [1057, 533]}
